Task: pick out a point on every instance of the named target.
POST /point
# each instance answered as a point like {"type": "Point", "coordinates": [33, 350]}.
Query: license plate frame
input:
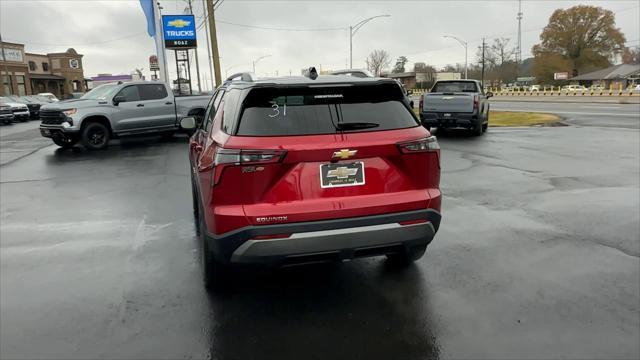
{"type": "Point", "coordinates": [342, 175]}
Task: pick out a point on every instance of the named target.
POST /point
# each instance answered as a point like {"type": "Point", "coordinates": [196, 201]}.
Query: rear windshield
{"type": "Point", "coordinates": [324, 110]}
{"type": "Point", "coordinates": [455, 86]}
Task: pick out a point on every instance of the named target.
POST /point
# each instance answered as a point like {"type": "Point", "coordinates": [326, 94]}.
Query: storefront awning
{"type": "Point", "coordinates": [46, 77]}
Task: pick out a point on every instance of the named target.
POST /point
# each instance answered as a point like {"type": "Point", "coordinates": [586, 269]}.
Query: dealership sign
{"type": "Point", "coordinates": [179, 31]}
{"type": "Point", "coordinates": [561, 76]}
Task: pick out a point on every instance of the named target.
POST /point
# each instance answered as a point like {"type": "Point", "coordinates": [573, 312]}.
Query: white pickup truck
{"type": "Point", "coordinates": [116, 110]}
{"type": "Point", "coordinates": [456, 104]}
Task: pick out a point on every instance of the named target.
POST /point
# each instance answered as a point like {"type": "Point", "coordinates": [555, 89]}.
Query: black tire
{"type": "Point", "coordinates": [485, 127]}
{"type": "Point", "coordinates": [215, 275]}
{"type": "Point", "coordinates": [476, 130]}
{"type": "Point", "coordinates": [65, 142]}
{"type": "Point", "coordinates": [196, 207]}
{"type": "Point", "coordinates": [95, 136]}
{"type": "Point", "coordinates": [407, 257]}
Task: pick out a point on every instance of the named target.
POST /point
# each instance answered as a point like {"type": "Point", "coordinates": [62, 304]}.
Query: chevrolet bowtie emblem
{"type": "Point", "coordinates": [179, 23]}
{"type": "Point", "coordinates": [341, 172]}
{"type": "Point", "coordinates": [344, 154]}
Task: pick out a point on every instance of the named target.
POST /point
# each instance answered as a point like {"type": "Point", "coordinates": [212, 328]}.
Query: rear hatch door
{"type": "Point", "coordinates": [342, 156]}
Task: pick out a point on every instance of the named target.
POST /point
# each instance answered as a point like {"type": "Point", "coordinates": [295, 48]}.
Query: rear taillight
{"type": "Point", "coordinates": [475, 102]}
{"type": "Point", "coordinates": [243, 157]}
{"type": "Point", "coordinates": [234, 157]}
{"type": "Point", "coordinates": [421, 102]}
{"type": "Point", "coordinates": [422, 145]}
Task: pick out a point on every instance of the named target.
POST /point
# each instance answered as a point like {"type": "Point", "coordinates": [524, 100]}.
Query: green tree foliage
{"type": "Point", "coordinates": [577, 40]}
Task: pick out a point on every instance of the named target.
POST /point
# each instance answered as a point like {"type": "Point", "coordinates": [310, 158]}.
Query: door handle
{"type": "Point", "coordinates": [168, 103]}
{"type": "Point", "coordinates": [140, 105]}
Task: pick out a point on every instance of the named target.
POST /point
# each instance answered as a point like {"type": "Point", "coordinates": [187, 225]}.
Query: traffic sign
{"type": "Point", "coordinates": [179, 31]}
{"type": "Point", "coordinates": [153, 63]}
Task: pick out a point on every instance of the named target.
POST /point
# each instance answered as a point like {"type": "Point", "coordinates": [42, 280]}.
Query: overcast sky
{"type": "Point", "coordinates": [112, 34]}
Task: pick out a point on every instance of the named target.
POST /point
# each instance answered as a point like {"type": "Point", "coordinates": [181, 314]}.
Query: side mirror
{"type": "Point", "coordinates": [489, 94]}
{"type": "Point", "coordinates": [188, 123]}
{"type": "Point", "coordinates": [409, 92]}
{"type": "Point", "coordinates": [118, 99]}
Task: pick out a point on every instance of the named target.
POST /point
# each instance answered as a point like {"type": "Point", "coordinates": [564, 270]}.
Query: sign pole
{"type": "Point", "coordinates": [159, 39]}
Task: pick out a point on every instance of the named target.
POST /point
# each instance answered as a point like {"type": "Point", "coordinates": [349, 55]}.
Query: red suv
{"type": "Point", "coordinates": [307, 169]}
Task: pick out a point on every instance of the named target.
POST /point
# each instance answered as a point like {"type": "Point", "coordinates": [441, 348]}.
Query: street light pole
{"type": "Point", "coordinates": [353, 30]}
{"type": "Point", "coordinates": [463, 43]}
{"type": "Point", "coordinates": [256, 61]}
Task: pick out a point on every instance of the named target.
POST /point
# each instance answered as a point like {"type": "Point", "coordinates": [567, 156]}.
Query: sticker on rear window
{"type": "Point", "coordinates": [328, 96]}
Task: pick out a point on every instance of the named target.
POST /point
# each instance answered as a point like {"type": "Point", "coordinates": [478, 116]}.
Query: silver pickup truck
{"type": "Point", "coordinates": [116, 110]}
{"type": "Point", "coordinates": [456, 104]}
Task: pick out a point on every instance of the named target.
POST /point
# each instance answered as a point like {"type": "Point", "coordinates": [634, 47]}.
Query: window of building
{"type": "Point", "coordinates": [45, 66]}
{"type": "Point", "coordinates": [22, 89]}
{"type": "Point", "coordinates": [32, 65]}
{"type": "Point", "coordinates": [6, 83]}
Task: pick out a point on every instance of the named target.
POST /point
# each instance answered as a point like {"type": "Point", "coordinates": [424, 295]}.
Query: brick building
{"type": "Point", "coordinates": [57, 73]}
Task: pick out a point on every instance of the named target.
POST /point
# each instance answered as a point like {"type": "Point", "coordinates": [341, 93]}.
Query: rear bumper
{"type": "Point", "coordinates": [337, 239]}
{"type": "Point", "coordinates": [433, 119]}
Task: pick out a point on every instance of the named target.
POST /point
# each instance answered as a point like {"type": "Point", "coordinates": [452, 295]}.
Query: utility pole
{"type": "Point", "coordinates": [206, 32]}
{"type": "Point", "coordinates": [214, 42]}
{"type": "Point", "coordinates": [196, 52]}
{"type": "Point", "coordinates": [483, 46]}
{"type": "Point", "coordinates": [519, 51]}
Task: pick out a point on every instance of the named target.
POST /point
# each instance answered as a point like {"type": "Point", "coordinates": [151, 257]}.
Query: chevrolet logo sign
{"type": "Point", "coordinates": [178, 23]}
{"type": "Point", "coordinates": [344, 154]}
{"type": "Point", "coordinates": [341, 172]}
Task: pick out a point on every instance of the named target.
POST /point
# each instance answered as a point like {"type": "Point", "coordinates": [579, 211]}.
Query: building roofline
{"type": "Point", "coordinates": [12, 43]}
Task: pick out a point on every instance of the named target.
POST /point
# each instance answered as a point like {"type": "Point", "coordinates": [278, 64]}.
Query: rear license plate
{"type": "Point", "coordinates": [45, 132]}
{"type": "Point", "coordinates": [447, 115]}
{"type": "Point", "coordinates": [341, 174]}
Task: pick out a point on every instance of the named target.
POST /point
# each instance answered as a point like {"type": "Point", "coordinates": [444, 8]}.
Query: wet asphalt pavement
{"type": "Point", "coordinates": [537, 257]}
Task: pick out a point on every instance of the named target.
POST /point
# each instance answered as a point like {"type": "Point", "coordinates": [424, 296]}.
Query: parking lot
{"type": "Point", "coordinates": [537, 256]}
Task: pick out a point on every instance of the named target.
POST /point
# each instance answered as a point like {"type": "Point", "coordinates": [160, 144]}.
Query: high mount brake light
{"type": "Point", "coordinates": [422, 145]}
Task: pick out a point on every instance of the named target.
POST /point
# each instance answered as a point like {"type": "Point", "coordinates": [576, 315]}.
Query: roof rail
{"type": "Point", "coordinates": [244, 76]}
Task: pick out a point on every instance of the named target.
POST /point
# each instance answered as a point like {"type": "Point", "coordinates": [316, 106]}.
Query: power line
{"type": "Point", "coordinates": [85, 44]}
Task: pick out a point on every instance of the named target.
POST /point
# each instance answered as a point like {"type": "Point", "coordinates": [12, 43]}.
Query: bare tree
{"type": "Point", "coordinates": [377, 61]}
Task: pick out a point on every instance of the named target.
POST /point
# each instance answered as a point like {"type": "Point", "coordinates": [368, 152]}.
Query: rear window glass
{"type": "Point", "coordinates": [324, 110]}
{"type": "Point", "coordinates": [455, 86]}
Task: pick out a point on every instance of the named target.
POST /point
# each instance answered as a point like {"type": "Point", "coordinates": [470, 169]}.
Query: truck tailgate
{"type": "Point", "coordinates": [448, 102]}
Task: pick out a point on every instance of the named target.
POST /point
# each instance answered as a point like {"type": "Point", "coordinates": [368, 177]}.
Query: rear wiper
{"type": "Point", "coordinates": [356, 125]}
